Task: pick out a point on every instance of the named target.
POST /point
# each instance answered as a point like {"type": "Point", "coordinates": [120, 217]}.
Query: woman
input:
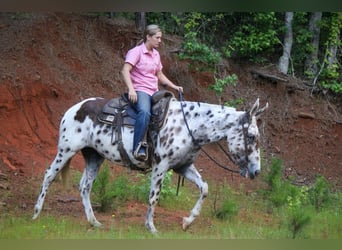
{"type": "Point", "coordinates": [141, 73]}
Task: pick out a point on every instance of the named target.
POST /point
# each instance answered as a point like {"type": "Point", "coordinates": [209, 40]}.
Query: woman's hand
{"type": "Point", "coordinates": [132, 96]}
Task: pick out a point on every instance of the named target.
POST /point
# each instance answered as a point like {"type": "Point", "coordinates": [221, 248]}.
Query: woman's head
{"type": "Point", "coordinates": [151, 30]}
{"type": "Point", "coordinates": [152, 36]}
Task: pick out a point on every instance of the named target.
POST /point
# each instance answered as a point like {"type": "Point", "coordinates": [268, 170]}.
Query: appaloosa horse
{"type": "Point", "coordinates": [188, 126]}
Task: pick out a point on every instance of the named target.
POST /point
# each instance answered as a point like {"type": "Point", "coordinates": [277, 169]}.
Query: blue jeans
{"type": "Point", "coordinates": [143, 107]}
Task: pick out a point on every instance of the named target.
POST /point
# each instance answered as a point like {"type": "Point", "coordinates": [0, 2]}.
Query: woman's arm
{"type": "Point", "coordinates": [165, 81]}
{"type": "Point", "coordinates": [125, 72]}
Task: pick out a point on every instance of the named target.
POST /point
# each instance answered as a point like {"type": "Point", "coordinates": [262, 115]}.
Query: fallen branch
{"type": "Point", "coordinates": [269, 76]}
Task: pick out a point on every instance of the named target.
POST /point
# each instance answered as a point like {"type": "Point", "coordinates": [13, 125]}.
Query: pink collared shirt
{"type": "Point", "coordinates": [145, 67]}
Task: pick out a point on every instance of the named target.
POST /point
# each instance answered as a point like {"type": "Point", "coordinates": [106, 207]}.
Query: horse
{"type": "Point", "coordinates": [187, 127]}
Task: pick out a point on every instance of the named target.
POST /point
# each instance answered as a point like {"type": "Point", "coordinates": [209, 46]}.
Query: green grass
{"type": "Point", "coordinates": [257, 215]}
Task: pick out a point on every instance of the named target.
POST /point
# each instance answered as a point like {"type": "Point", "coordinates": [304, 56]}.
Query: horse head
{"type": "Point", "coordinates": [244, 142]}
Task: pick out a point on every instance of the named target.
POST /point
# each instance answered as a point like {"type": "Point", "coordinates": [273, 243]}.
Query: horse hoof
{"type": "Point", "coordinates": [97, 224]}
{"type": "Point", "coordinates": [186, 223]}
{"type": "Point", "coordinates": [151, 228]}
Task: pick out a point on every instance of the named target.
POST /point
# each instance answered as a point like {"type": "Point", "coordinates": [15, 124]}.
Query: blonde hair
{"type": "Point", "coordinates": [150, 30]}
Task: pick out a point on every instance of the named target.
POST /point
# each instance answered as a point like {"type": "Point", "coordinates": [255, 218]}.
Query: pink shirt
{"type": "Point", "coordinates": [145, 67]}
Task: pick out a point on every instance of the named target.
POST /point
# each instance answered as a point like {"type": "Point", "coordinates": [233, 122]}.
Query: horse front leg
{"type": "Point", "coordinates": [157, 178]}
{"type": "Point", "coordinates": [191, 174]}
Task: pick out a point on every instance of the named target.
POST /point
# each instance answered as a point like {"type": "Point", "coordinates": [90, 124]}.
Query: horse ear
{"type": "Point", "coordinates": [258, 112]}
{"type": "Point", "coordinates": [254, 108]}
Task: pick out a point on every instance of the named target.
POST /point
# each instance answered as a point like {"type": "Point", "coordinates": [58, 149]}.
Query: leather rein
{"type": "Point", "coordinates": [225, 152]}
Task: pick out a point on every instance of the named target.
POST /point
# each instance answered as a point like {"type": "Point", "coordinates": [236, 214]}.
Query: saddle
{"type": "Point", "coordinates": [119, 112]}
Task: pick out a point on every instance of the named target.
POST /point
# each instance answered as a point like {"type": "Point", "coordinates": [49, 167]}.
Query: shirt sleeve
{"type": "Point", "coordinates": [132, 56]}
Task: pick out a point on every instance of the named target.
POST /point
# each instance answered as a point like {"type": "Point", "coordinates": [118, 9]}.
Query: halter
{"type": "Point", "coordinates": [242, 165]}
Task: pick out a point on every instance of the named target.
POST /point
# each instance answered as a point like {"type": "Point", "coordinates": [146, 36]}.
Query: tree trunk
{"type": "Point", "coordinates": [311, 63]}
{"type": "Point", "coordinates": [288, 41]}
{"type": "Point", "coordinates": [140, 21]}
{"type": "Point", "coordinates": [335, 39]}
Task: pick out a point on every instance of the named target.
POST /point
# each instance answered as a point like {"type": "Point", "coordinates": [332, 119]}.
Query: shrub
{"type": "Point", "coordinates": [106, 193]}
{"type": "Point", "coordinates": [101, 189]}
{"type": "Point", "coordinates": [320, 193]}
{"type": "Point", "coordinates": [227, 210]}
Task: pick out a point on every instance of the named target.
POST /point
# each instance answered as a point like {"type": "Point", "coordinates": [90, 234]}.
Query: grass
{"type": "Point", "coordinates": [256, 215]}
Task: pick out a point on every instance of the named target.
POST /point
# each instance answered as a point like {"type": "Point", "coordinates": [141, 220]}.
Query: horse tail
{"type": "Point", "coordinates": [65, 173]}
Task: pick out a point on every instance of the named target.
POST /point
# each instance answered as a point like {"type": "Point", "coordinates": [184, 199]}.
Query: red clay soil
{"type": "Point", "coordinates": [51, 61]}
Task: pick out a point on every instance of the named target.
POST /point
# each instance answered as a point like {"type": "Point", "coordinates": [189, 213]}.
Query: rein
{"type": "Point", "coordinates": [196, 143]}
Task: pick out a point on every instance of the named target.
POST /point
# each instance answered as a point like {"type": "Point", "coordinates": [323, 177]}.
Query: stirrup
{"type": "Point", "coordinates": [141, 157]}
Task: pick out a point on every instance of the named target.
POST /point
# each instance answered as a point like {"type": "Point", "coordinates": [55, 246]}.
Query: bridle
{"type": "Point", "coordinates": [243, 164]}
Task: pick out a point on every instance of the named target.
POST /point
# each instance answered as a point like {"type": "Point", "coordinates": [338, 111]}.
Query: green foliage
{"type": "Point", "coordinates": [225, 205]}
{"type": "Point", "coordinates": [331, 78]}
{"type": "Point", "coordinates": [202, 57]}
{"type": "Point", "coordinates": [220, 84]}
{"type": "Point", "coordinates": [320, 193]}
{"type": "Point", "coordinates": [235, 102]}
{"type": "Point", "coordinates": [279, 190]}
{"type": "Point", "coordinates": [297, 202]}
{"type": "Point", "coordinates": [256, 33]}
{"type": "Point", "coordinates": [106, 192]}
{"type": "Point", "coordinates": [298, 210]}
{"type": "Point", "coordinates": [141, 190]}
{"type": "Point", "coordinates": [228, 210]}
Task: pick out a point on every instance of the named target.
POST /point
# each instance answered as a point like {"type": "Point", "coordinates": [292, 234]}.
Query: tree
{"type": "Point", "coordinates": [311, 62]}
{"type": "Point", "coordinates": [334, 39]}
{"type": "Point", "coordinates": [288, 41]}
{"type": "Point", "coordinates": [140, 21]}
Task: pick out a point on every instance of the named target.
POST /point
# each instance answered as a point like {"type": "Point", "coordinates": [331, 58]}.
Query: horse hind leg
{"type": "Point", "coordinates": [93, 163]}
{"type": "Point", "coordinates": [191, 174]}
{"type": "Point", "coordinates": [61, 161]}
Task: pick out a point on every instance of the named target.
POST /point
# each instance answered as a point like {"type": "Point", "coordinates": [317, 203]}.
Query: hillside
{"type": "Point", "coordinates": [51, 61]}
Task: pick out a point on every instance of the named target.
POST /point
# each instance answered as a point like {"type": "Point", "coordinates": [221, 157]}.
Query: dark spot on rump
{"type": "Point", "coordinates": [78, 130]}
{"type": "Point", "coordinates": [91, 109]}
{"type": "Point", "coordinates": [192, 107]}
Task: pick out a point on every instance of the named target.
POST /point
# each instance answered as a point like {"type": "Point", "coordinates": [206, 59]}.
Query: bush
{"type": "Point", "coordinates": [101, 189]}
{"type": "Point", "coordinates": [106, 193]}
{"type": "Point", "coordinates": [320, 193]}
{"type": "Point", "coordinates": [228, 210]}
{"type": "Point", "coordinates": [202, 57]}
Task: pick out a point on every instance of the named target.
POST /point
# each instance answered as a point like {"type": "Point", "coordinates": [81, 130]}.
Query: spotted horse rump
{"type": "Point", "coordinates": [188, 126]}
